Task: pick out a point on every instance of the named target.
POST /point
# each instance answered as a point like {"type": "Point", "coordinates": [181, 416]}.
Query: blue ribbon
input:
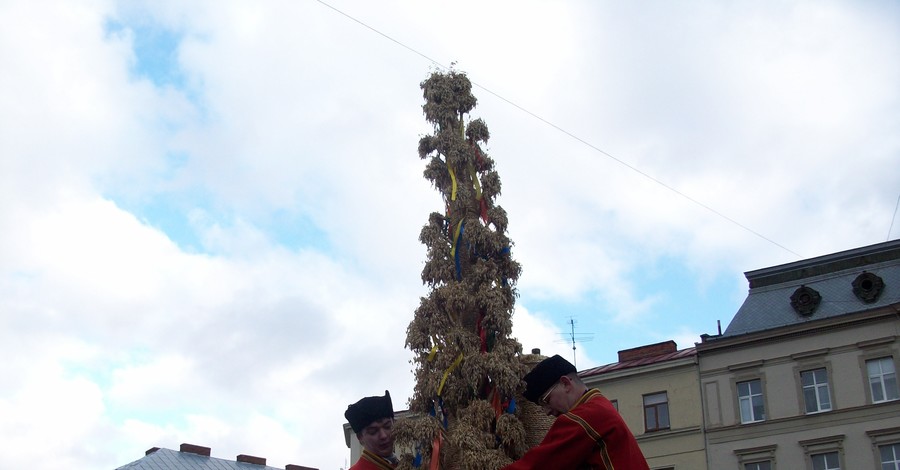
{"type": "Point", "coordinates": [443, 412]}
{"type": "Point", "coordinates": [462, 229]}
{"type": "Point", "coordinates": [417, 462]}
{"type": "Point", "coordinates": [433, 411]}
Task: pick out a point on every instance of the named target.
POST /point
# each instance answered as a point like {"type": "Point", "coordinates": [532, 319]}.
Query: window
{"type": "Point", "coordinates": [656, 411]}
{"type": "Point", "coordinates": [757, 458]}
{"type": "Point", "coordinates": [758, 466]}
{"type": "Point", "coordinates": [815, 390]}
{"type": "Point", "coordinates": [890, 456]}
{"type": "Point", "coordinates": [824, 453]}
{"type": "Point", "coordinates": [828, 461]}
{"type": "Point", "coordinates": [882, 379]}
{"type": "Point", "coordinates": [750, 399]}
{"type": "Point", "coordinates": [886, 447]}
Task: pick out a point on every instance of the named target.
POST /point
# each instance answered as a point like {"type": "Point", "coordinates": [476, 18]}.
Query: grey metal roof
{"type": "Point", "coordinates": [768, 304]}
{"type": "Point", "coordinates": [167, 459]}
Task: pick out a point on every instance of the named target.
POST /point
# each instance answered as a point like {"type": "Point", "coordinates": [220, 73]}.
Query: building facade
{"type": "Point", "coordinates": [804, 377]}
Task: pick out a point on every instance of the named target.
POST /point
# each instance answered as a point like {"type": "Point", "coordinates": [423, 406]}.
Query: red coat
{"type": "Point", "coordinates": [370, 461]}
{"type": "Point", "coordinates": [591, 435]}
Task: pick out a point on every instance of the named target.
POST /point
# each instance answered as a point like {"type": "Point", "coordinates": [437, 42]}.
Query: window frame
{"type": "Point", "coordinates": [747, 466]}
{"type": "Point", "coordinates": [657, 407]}
{"type": "Point", "coordinates": [816, 388]}
{"type": "Point", "coordinates": [823, 445]}
{"type": "Point", "coordinates": [895, 447]}
{"type": "Point", "coordinates": [824, 455]}
{"type": "Point", "coordinates": [888, 358]}
{"type": "Point", "coordinates": [762, 395]}
{"type": "Point", "coordinates": [881, 438]}
{"type": "Point", "coordinates": [757, 455]}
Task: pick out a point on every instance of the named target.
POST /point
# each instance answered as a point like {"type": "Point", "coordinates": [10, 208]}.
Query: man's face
{"type": "Point", "coordinates": [555, 401]}
{"type": "Point", "coordinates": [377, 437]}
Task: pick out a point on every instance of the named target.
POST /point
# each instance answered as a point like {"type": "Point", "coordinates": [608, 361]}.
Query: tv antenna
{"type": "Point", "coordinates": [576, 338]}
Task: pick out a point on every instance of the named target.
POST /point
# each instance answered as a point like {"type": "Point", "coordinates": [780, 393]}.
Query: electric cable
{"type": "Point", "coordinates": [894, 216]}
{"type": "Point", "coordinates": [573, 136]}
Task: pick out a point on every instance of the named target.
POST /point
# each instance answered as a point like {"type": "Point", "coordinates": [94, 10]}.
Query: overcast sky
{"type": "Point", "coordinates": [209, 210]}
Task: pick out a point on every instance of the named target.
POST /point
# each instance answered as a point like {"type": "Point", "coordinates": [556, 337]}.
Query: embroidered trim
{"type": "Point", "coordinates": [604, 453]}
{"type": "Point", "coordinates": [379, 461]}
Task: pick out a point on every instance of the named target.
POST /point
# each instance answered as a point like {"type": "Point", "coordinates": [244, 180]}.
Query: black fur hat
{"type": "Point", "coordinates": [544, 375]}
{"type": "Point", "coordinates": [368, 410]}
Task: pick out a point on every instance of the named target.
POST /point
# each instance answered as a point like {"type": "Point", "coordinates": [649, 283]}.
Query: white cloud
{"type": "Point", "coordinates": [247, 344]}
{"type": "Point", "coordinates": [49, 409]}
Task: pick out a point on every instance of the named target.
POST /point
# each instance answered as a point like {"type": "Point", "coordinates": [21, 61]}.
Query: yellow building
{"type": "Point", "coordinates": [656, 391]}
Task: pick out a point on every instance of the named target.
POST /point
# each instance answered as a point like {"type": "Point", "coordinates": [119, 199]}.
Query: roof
{"type": "Point", "coordinates": [189, 459]}
{"type": "Point", "coordinates": [642, 361]}
{"type": "Point", "coordinates": [827, 283]}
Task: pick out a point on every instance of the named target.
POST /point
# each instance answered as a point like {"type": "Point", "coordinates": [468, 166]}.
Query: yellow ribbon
{"type": "Point", "coordinates": [455, 238]}
{"type": "Point", "coordinates": [475, 180]}
{"type": "Point", "coordinates": [447, 372]}
{"type": "Point", "coordinates": [434, 349]}
{"type": "Point", "coordinates": [453, 179]}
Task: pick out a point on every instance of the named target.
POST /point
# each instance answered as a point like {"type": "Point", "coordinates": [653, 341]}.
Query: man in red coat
{"type": "Point", "coordinates": [588, 432]}
{"type": "Point", "coordinates": [372, 419]}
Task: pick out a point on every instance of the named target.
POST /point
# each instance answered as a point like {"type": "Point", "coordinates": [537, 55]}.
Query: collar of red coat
{"type": "Point", "coordinates": [587, 396]}
{"type": "Point", "coordinates": [380, 462]}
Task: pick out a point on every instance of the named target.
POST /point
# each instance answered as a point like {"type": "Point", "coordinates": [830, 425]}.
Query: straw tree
{"type": "Point", "coordinates": [466, 364]}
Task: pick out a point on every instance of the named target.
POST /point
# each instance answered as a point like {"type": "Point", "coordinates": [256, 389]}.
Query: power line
{"type": "Point", "coordinates": [636, 170]}
{"type": "Point", "coordinates": [894, 216]}
{"type": "Point", "coordinates": [385, 36]}
{"type": "Point", "coordinates": [573, 136]}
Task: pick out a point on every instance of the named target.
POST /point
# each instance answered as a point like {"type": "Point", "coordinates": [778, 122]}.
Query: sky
{"type": "Point", "coordinates": [209, 210]}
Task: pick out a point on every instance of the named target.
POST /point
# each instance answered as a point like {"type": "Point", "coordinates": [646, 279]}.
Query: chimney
{"type": "Point", "coordinates": [298, 467]}
{"type": "Point", "coordinates": [194, 449]}
{"type": "Point", "coordinates": [251, 459]}
{"type": "Point", "coordinates": [151, 450]}
{"type": "Point", "coordinates": [535, 350]}
{"type": "Point", "coordinates": [650, 350]}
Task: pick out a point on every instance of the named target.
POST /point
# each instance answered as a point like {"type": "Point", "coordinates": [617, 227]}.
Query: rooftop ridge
{"type": "Point", "coordinates": [843, 260]}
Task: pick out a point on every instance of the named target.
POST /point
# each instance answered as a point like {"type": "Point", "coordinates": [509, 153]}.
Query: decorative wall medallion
{"type": "Point", "coordinates": [867, 287]}
{"type": "Point", "coordinates": [805, 300]}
